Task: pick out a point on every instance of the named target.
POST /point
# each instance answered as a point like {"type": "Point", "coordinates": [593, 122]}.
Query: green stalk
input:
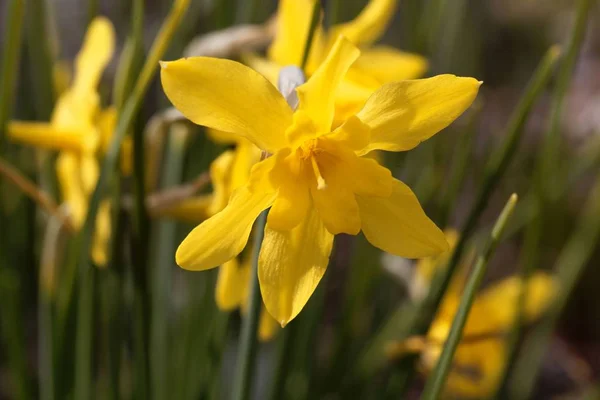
{"type": "Point", "coordinates": [125, 123]}
{"type": "Point", "coordinates": [548, 177]}
{"type": "Point", "coordinates": [10, 63]}
{"type": "Point", "coordinates": [549, 160]}
{"type": "Point", "coordinates": [12, 322]}
{"type": "Point", "coordinates": [84, 335]}
{"type": "Point", "coordinates": [314, 22]}
{"type": "Point", "coordinates": [163, 267]}
{"type": "Point", "coordinates": [437, 380]}
{"type": "Point", "coordinates": [569, 268]}
{"type": "Point", "coordinates": [141, 228]}
{"type": "Point", "coordinates": [247, 350]}
{"type": "Point", "coordinates": [41, 58]}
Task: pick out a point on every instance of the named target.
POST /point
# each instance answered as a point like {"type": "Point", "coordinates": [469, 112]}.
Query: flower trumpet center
{"type": "Point", "coordinates": [308, 152]}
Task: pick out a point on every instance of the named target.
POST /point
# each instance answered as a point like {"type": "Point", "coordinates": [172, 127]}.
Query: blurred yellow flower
{"type": "Point", "coordinates": [317, 183]}
{"type": "Point", "coordinates": [376, 65]}
{"type": "Point", "coordinates": [78, 129]}
{"type": "Point", "coordinates": [481, 356]}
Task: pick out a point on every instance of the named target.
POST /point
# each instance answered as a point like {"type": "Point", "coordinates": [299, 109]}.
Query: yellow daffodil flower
{"type": "Point", "coordinates": [376, 65]}
{"type": "Point", "coordinates": [230, 171]}
{"type": "Point", "coordinates": [78, 129]}
{"type": "Point", "coordinates": [317, 183]}
{"type": "Point", "coordinates": [481, 356]}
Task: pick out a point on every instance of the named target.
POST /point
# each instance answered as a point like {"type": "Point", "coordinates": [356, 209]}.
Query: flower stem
{"type": "Point", "coordinates": [435, 383]}
{"type": "Point", "coordinates": [126, 120]}
{"type": "Point", "coordinates": [247, 349]}
{"type": "Point", "coordinates": [163, 268]}
{"type": "Point", "coordinates": [314, 22]}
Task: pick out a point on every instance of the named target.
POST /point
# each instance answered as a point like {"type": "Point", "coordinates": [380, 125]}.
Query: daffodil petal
{"type": "Point", "coordinates": [107, 120]}
{"type": "Point", "coordinates": [228, 96]}
{"type": "Point", "coordinates": [485, 359]}
{"type": "Point", "coordinates": [403, 114]}
{"type": "Point", "coordinates": [192, 210]}
{"type": "Point", "coordinates": [96, 52]}
{"type": "Point", "coordinates": [291, 264]}
{"type": "Point", "coordinates": [370, 24]}
{"type": "Point", "coordinates": [102, 233]}
{"type": "Point", "coordinates": [222, 137]}
{"type": "Point", "coordinates": [232, 285]}
{"type": "Point", "coordinates": [498, 303]}
{"type": "Point", "coordinates": [89, 171]}
{"type": "Point", "coordinates": [52, 137]}
{"type": "Point", "coordinates": [223, 236]}
{"type": "Point", "coordinates": [67, 170]}
{"type": "Point", "coordinates": [353, 134]}
{"type": "Point", "coordinates": [317, 95]}
{"type": "Point", "coordinates": [246, 155]}
{"type": "Point", "coordinates": [293, 23]}
{"type": "Point", "coordinates": [387, 64]}
{"type": "Point", "coordinates": [291, 206]}
{"type": "Point", "coordinates": [398, 224]}
{"type": "Point", "coordinates": [220, 177]}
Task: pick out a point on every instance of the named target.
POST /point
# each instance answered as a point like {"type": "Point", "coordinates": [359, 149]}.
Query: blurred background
{"type": "Point", "coordinates": [499, 42]}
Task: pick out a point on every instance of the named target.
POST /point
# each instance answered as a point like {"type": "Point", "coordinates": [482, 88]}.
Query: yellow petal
{"type": "Point", "coordinates": [67, 173]}
{"type": "Point", "coordinates": [52, 137]}
{"type": "Point", "coordinates": [246, 155]}
{"type": "Point", "coordinates": [290, 207]}
{"type": "Point", "coordinates": [96, 52]}
{"type": "Point", "coordinates": [220, 177]}
{"type": "Point", "coordinates": [293, 198]}
{"type": "Point", "coordinates": [223, 236]}
{"type": "Point", "coordinates": [387, 64]}
{"type": "Point", "coordinates": [221, 137]}
{"type": "Point", "coordinates": [291, 264]}
{"type": "Point", "coordinates": [498, 303]}
{"type": "Point", "coordinates": [89, 172]}
{"type": "Point", "coordinates": [107, 121]}
{"type": "Point", "coordinates": [267, 326]}
{"type": "Point", "coordinates": [477, 369]}
{"type": "Point", "coordinates": [398, 224]}
{"type": "Point", "coordinates": [126, 157]}
{"type": "Point", "coordinates": [353, 134]}
{"type": "Point", "coordinates": [193, 210]}
{"type": "Point", "coordinates": [293, 23]}
{"type": "Point", "coordinates": [370, 24]}
{"type": "Point", "coordinates": [403, 114]}
{"type": "Point", "coordinates": [316, 96]}
{"type": "Point", "coordinates": [232, 285]}
{"type": "Point", "coordinates": [228, 96]}
{"type": "Point", "coordinates": [335, 201]}
{"type": "Point", "coordinates": [101, 239]}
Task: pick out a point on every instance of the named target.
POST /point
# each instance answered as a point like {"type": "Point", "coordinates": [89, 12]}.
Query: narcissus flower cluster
{"type": "Point", "coordinates": [317, 183]}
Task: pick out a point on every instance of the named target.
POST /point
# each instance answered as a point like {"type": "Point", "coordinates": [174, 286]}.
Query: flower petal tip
{"type": "Point", "coordinates": [283, 323]}
{"type": "Point", "coordinates": [163, 64]}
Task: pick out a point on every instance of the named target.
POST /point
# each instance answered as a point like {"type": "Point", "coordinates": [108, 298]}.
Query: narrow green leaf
{"type": "Point", "coordinates": [435, 383]}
